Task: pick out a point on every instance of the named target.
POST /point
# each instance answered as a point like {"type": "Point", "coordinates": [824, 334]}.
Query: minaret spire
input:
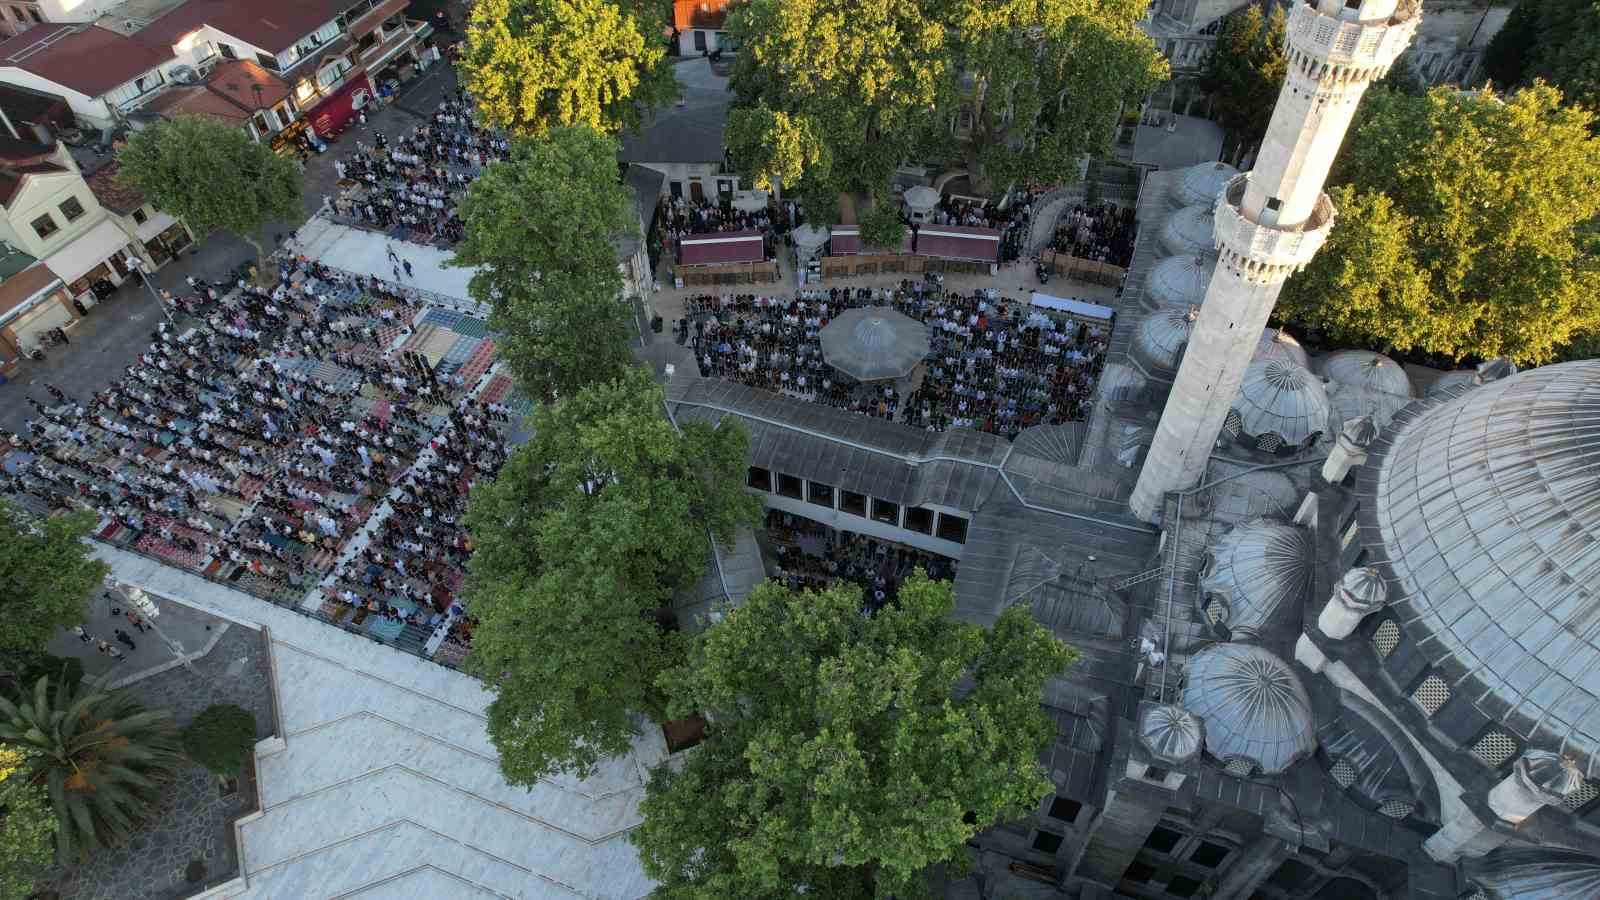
{"type": "Point", "coordinates": [1270, 222]}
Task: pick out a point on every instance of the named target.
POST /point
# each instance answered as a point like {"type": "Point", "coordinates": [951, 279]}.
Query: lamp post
{"type": "Point", "coordinates": [148, 610]}
{"type": "Point", "coordinates": [138, 265]}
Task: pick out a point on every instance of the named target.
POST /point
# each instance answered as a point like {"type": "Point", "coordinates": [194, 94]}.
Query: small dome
{"type": "Point", "coordinates": [1170, 733]}
{"type": "Point", "coordinates": [1188, 231]}
{"type": "Point", "coordinates": [1365, 369]}
{"type": "Point", "coordinates": [1257, 570]}
{"type": "Point", "coordinates": [1180, 280]}
{"type": "Point", "coordinates": [1163, 334]}
{"type": "Point", "coordinates": [1452, 379]}
{"type": "Point", "coordinates": [1122, 384]}
{"type": "Point", "coordinates": [1252, 704]}
{"type": "Point", "coordinates": [1280, 406]}
{"type": "Point", "coordinates": [1349, 402]}
{"type": "Point", "coordinates": [1362, 588]}
{"type": "Point", "coordinates": [1552, 773]}
{"type": "Point", "coordinates": [1534, 873]}
{"type": "Point", "coordinates": [1276, 343]}
{"type": "Point", "coordinates": [1203, 183]}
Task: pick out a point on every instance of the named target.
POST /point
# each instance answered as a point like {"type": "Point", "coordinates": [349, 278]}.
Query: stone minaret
{"type": "Point", "coordinates": [1270, 222]}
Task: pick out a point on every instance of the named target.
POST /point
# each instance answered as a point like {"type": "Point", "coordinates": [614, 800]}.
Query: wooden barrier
{"type": "Point", "coordinates": [872, 264]}
{"type": "Point", "coordinates": [728, 273]}
{"type": "Point", "coordinates": [1068, 266]}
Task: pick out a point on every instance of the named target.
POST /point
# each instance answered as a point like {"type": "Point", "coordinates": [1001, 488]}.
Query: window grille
{"type": "Point", "coordinates": [1431, 694]}
{"type": "Point", "coordinates": [1494, 749]}
{"type": "Point", "coordinates": [1581, 797]}
{"type": "Point", "coordinates": [1232, 424]}
{"type": "Point", "coordinates": [1387, 637]}
{"type": "Point", "coordinates": [1216, 610]}
{"type": "Point", "coordinates": [1344, 772]}
{"type": "Point", "coordinates": [1269, 442]}
{"type": "Point", "coordinates": [1397, 809]}
{"type": "Point", "coordinates": [1239, 766]}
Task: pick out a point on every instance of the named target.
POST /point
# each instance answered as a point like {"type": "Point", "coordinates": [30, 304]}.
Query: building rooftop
{"type": "Point", "coordinates": [60, 54]}
{"type": "Point", "coordinates": [114, 195]}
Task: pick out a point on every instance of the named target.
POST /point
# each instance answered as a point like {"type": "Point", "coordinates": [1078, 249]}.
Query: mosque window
{"type": "Point", "coordinates": [1386, 638]}
{"type": "Point", "coordinates": [1396, 808]}
{"type": "Point", "coordinates": [789, 486]}
{"type": "Point", "coordinates": [819, 493]}
{"type": "Point", "coordinates": [1239, 766]}
{"type": "Point", "coordinates": [919, 520]}
{"type": "Point", "coordinates": [759, 478]}
{"type": "Point", "coordinates": [853, 503]}
{"type": "Point", "coordinates": [1269, 442]}
{"type": "Point", "coordinates": [1583, 796]}
{"type": "Point", "coordinates": [1047, 842]}
{"type": "Point", "coordinates": [1344, 772]}
{"type": "Point", "coordinates": [1495, 748]}
{"type": "Point", "coordinates": [1431, 694]}
{"type": "Point", "coordinates": [1216, 610]}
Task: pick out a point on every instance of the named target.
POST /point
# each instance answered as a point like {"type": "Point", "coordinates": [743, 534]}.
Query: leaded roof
{"type": "Point", "coordinates": [1188, 232]}
{"type": "Point", "coordinates": [1483, 511]}
{"type": "Point", "coordinates": [1253, 705]}
{"type": "Point", "coordinates": [1203, 183]}
{"type": "Point", "coordinates": [1378, 761]}
{"type": "Point", "coordinates": [1278, 397]}
{"type": "Point", "coordinates": [1260, 570]}
{"type": "Point", "coordinates": [1535, 873]}
{"type": "Point", "coordinates": [1368, 370]}
{"type": "Point", "coordinates": [1350, 401]}
{"type": "Point", "coordinates": [873, 343]}
{"type": "Point", "coordinates": [1163, 334]}
{"type": "Point", "coordinates": [1276, 343]}
{"type": "Point", "coordinates": [1122, 384]}
{"type": "Point", "coordinates": [1180, 280]}
{"type": "Point", "coordinates": [1171, 733]}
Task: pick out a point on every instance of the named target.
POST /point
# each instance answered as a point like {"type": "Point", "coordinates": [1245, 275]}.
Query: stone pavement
{"type": "Point", "coordinates": [193, 630]}
{"type": "Point", "coordinates": [191, 833]}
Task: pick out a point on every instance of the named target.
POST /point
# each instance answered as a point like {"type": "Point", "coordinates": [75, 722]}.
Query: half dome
{"type": "Point", "coordinates": [1252, 704]}
{"type": "Point", "coordinates": [1275, 343]}
{"type": "Point", "coordinates": [1483, 512]}
{"type": "Point", "coordinates": [1280, 406]}
{"type": "Point", "coordinates": [1367, 370]}
{"type": "Point", "coordinates": [1180, 280]}
{"type": "Point", "coordinates": [1258, 571]}
{"type": "Point", "coordinates": [1203, 183]}
{"type": "Point", "coordinates": [1535, 873]}
{"type": "Point", "coordinates": [1188, 232]}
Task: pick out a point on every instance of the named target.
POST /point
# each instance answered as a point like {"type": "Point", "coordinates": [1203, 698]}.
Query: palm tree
{"type": "Point", "coordinates": [102, 756]}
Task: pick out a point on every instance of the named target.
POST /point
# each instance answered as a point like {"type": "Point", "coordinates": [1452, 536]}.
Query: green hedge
{"type": "Point", "coordinates": [220, 738]}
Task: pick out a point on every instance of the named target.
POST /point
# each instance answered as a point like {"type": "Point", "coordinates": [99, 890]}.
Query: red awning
{"type": "Point", "coordinates": [339, 107]}
{"type": "Point", "coordinates": [721, 247]}
{"type": "Point", "coordinates": [845, 240]}
{"type": "Point", "coordinates": [959, 242]}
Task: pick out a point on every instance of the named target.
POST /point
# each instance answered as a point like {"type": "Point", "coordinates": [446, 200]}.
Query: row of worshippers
{"type": "Point", "coordinates": [812, 556]}
{"type": "Point", "coordinates": [1102, 233]}
{"type": "Point", "coordinates": [993, 365]}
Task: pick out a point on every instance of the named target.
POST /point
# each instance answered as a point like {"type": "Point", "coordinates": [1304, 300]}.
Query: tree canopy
{"type": "Point", "coordinates": [831, 95]}
{"type": "Point", "coordinates": [27, 827]}
{"type": "Point", "coordinates": [1463, 228]}
{"type": "Point", "coordinates": [534, 65]}
{"type": "Point", "coordinates": [539, 230]}
{"type": "Point", "coordinates": [578, 545]}
{"type": "Point", "coordinates": [46, 575]}
{"type": "Point", "coordinates": [1554, 40]}
{"type": "Point", "coordinates": [212, 175]}
{"type": "Point", "coordinates": [1246, 72]}
{"type": "Point", "coordinates": [221, 738]}
{"type": "Point", "coordinates": [847, 753]}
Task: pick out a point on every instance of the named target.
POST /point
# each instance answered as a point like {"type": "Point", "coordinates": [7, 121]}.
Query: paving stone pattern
{"type": "Point", "coordinates": [194, 821]}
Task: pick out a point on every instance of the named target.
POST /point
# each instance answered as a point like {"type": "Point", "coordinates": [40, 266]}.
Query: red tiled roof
{"type": "Point", "coordinates": [274, 26]}
{"type": "Point", "coordinates": [721, 247]}
{"type": "Point", "coordinates": [196, 100]}
{"type": "Point", "coordinates": [12, 177]}
{"type": "Point", "coordinates": [85, 58]}
{"type": "Point", "coordinates": [699, 13]}
{"type": "Point", "coordinates": [120, 198]}
{"type": "Point", "coordinates": [959, 242]}
{"type": "Point", "coordinates": [236, 80]}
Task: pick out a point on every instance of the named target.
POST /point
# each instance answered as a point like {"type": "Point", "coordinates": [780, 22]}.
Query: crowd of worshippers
{"type": "Point", "coordinates": [231, 446]}
{"type": "Point", "coordinates": [993, 365]}
{"type": "Point", "coordinates": [1012, 223]}
{"type": "Point", "coordinates": [414, 182]}
{"type": "Point", "coordinates": [410, 573]}
{"type": "Point", "coordinates": [813, 556]}
{"type": "Point", "coordinates": [1103, 233]}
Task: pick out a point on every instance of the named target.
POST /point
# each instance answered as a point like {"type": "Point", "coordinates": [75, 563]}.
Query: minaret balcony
{"type": "Point", "coordinates": [1267, 250]}
{"type": "Point", "coordinates": [1353, 44]}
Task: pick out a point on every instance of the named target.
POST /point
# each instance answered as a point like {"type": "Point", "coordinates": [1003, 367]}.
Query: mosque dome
{"type": "Point", "coordinates": [1363, 588]}
{"type": "Point", "coordinates": [1187, 232]}
{"type": "Point", "coordinates": [1122, 384]}
{"type": "Point", "coordinates": [1552, 773]}
{"type": "Point", "coordinates": [1483, 512]}
{"type": "Point", "coordinates": [1203, 183]}
{"type": "Point", "coordinates": [1256, 713]}
{"type": "Point", "coordinates": [1159, 341]}
{"type": "Point", "coordinates": [1280, 407]}
{"type": "Point", "coordinates": [1253, 574]}
{"type": "Point", "coordinates": [1368, 370]}
{"type": "Point", "coordinates": [1350, 401]}
{"type": "Point", "coordinates": [1171, 733]}
{"type": "Point", "coordinates": [1275, 343]}
{"type": "Point", "coordinates": [1180, 280]}
{"type": "Point", "coordinates": [1535, 873]}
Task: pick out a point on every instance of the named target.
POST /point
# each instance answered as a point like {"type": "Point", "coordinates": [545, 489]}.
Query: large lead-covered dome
{"type": "Point", "coordinates": [1483, 512]}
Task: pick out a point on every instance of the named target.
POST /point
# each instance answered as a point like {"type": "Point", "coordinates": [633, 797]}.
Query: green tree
{"type": "Point", "coordinates": [882, 225]}
{"type": "Point", "coordinates": [46, 574]}
{"type": "Point", "coordinates": [212, 175]}
{"type": "Point", "coordinates": [833, 94]}
{"type": "Point", "coordinates": [846, 753]}
{"type": "Point", "coordinates": [102, 756]}
{"type": "Point", "coordinates": [1463, 228]}
{"type": "Point", "coordinates": [1554, 40]}
{"type": "Point", "coordinates": [578, 545]}
{"type": "Point", "coordinates": [534, 65]}
{"type": "Point", "coordinates": [539, 232]}
{"type": "Point", "coordinates": [27, 827]}
{"type": "Point", "coordinates": [221, 738]}
{"type": "Point", "coordinates": [1246, 72]}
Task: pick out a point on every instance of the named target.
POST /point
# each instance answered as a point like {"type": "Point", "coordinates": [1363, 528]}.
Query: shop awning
{"type": "Point", "coordinates": [89, 250]}
{"type": "Point", "coordinates": [25, 290]}
{"type": "Point", "coordinates": [155, 225]}
{"type": "Point", "coordinates": [1071, 307]}
{"type": "Point", "coordinates": [959, 242]}
{"type": "Point", "coordinates": [724, 247]}
{"type": "Point", "coordinates": [846, 241]}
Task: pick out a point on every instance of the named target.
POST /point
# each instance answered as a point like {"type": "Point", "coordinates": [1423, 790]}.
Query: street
{"type": "Point", "coordinates": [118, 329]}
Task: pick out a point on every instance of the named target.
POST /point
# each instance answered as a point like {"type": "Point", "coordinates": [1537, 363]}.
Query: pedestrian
{"type": "Point", "coordinates": [407, 264]}
{"type": "Point", "coordinates": [82, 635]}
{"type": "Point", "coordinates": [114, 653]}
{"type": "Point", "coordinates": [393, 257]}
{"type": "Point", "coordinates": [104, 648]}
{"type": "Point", "coordinates": [135, 621]}
{"type": "Point", "coordinates": [124, 640]}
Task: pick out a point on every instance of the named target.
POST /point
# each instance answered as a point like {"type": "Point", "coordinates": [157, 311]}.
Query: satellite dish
{"type": "Point", "coordinates": [185, 75]}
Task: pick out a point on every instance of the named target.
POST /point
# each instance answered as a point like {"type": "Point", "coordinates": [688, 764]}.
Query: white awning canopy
{"type": "Point", "coordinates": [155, 225]}
{"type": "Point", "coordinates": [90, 249]}
{"type": "Point", "coordinates": [1075, 307]}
